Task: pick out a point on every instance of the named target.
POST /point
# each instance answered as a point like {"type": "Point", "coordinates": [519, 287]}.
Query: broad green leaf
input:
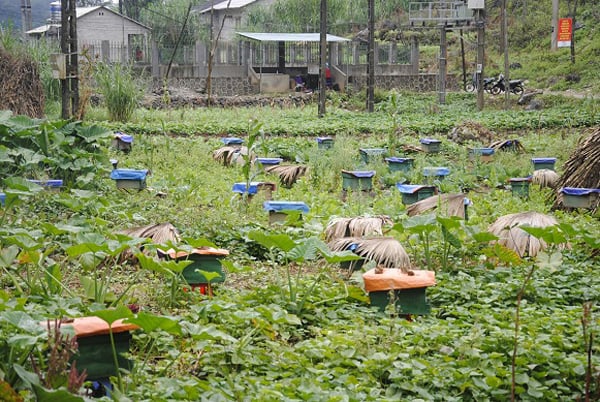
{"type": "Point", "coordinates": [8, 256]}
{"type": "Point", "coordinates": [60, 395]}
{"type": "Point", "coordinates": [149, 322]}
{"type": "Point", "coordinates": [112, 315]}
{"type": "Point", "coordinates": [550, 234]}
{"type": "Point", "coordinates": [197, 243]}
{"type": "Point", "coordinates": [208, 275]}
{"type": "Point", "coordinates": [281, 241]}
{"type": "Point", "coordinates": [163, 267]}
{"type": "Point", "coordinates": [233, 268]}
{"type": "Point", "coordinates": [23, 321]}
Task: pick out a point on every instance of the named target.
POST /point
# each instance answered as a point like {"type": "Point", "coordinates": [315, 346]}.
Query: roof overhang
{"type": "Point", "coordinates": [290, 37]}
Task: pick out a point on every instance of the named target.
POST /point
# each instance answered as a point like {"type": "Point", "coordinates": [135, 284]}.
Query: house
{"type": "Point", "coordinates": [234, 12]}
{"type": "Point", "coordinates": [103, 33]}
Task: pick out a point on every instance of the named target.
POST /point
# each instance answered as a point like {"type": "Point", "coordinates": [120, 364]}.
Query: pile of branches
{"type": "Point", "coordinates": [20, 85]}
{"type": "Point", "coordinates": [470, 131]}
{"type": "Point", "coordinates": [582, 169]}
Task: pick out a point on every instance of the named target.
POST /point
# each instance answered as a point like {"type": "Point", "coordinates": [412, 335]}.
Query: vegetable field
{"type": "Point", "coordinates": [283, 320]}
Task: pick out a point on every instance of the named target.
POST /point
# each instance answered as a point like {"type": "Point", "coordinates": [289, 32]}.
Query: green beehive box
{"type": "Point", "coordinates": [573, 197]}
{"type": "Point", "coordinates": [543, 163]}
{"type": "Point", "coordinates": [430, 145]}
{"type": "Point", "coordinates": [408, 290]}
{"type": "Point", "coordinates": [412, 193]}
{"type": "Point", "coordinates": [368, 155]}
{"type": "Point", "coordinates": [407, 301]}
{"type": "Point", "coordinates": [324, 142]}
{"type": "Point", "coordinates": [400, 164]}
{"type": "Point", "coordinates": [94, 352]}
{"type": "Point", "coordinates": [206, 259]}
{"type": "Point", "coordinates": [520, 186]}
{"type": "Point", "coordinates": [360, 180]}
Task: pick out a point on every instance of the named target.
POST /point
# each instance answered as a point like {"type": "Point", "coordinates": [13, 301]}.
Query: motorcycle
{"type": "Point", "coordinates": [515, 86]}
{"type": "Point", "coordinates": [488, 84]}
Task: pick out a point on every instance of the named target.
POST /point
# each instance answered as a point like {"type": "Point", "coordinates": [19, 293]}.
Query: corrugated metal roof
{"type": "Point", "coordinates": [290, 37]}
{"type": "Point", "coordinates": [224, 4]}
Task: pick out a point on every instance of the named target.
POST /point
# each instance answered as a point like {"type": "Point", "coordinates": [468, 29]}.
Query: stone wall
{"type": "Point", "coordinates": [418, 83]}
{"type": "Point", "coordinates": [241, 86]}
{"type": "Point", "coordinates": [221, 86]}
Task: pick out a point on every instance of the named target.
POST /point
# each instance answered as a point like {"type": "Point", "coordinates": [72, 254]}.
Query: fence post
{"type": "Point", "coordinates": [414, 55]}
{"type": "Point", "coordinates": [155, 60]}
{"type": "Point", "coordinates": [105, 51]}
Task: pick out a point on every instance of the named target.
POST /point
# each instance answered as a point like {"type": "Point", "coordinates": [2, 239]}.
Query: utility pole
{"type": "Point", "coordinates": [26, 15]}
{"type": "Point", "coordinates": [322, 58]}
{"type": "Point", "coordinates": [553, 42]}
{"type": "Point", "coordinates": [505, 46]}
{"type": "Point", "coordinates": [443, 68]}
{"type": "Point", "coordinates": [480, 54]}
{"type": "Point", "coordinates": [371, 58]}
{"type": "Point", "coordinates": [68, 45]}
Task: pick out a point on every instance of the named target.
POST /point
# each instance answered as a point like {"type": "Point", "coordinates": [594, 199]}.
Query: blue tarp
{"type": "Point", "coordinates": [269, 161]}
{"type": "Point", "coordinates": [278, 206]}
{"type": "Point", "coordinates": [324, 139]}
{"type": "Point", "coordinates": [128, 174]}
{"type": "Point", "coordinates": [48, 183]}
{"type": "Point", "coordinates": [543, 160]}
{"type": "Point", "coordinates": [360, 173]}
{"type": "Point", "coordinates": [429, 141]}
{"type": "Point", "coordinates": [2, 199]}
{"type": "Point", "coordinates": [436, 171]}
{"type": "Point", "coordinates": [482, 151]}
{"type": "Point", "coordinates": [579, 191]}
{"type": "Point", "coordinates": [124, 137]}
{"type": "Point", "coordinates": [241, 187]}
{"type": "Point", "coordinates": [410, 188]}
{"type": "Point", "coordinates": [232, 141]}
{"type": "Point", "coordinates": [395, 159]}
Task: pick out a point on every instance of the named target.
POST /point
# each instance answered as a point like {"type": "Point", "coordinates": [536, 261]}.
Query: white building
{"type": "Point", "coordinates": [233, 11]}
{"type": "Point", "coordinates": [103, 33]}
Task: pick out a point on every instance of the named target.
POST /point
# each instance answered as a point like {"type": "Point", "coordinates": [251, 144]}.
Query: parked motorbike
{"type": "Point", "coordinates": [516, 86]}
{"type": "Point", "coordinates": [488, 84]}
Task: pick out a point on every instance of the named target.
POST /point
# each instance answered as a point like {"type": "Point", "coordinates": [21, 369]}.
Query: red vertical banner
{"type": "Point", "coordinates": [564, 33]}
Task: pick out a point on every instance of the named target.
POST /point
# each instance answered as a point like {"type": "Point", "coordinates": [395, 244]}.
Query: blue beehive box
{"type": "Point", "coordinates": [436, 173]}
{"type": "Point", "coordinates": [483, 154]}
{"type": "Point", "coordinates": [122, 142]}
{"type": "Point", "coordinates": [430, 145]}
{"type": "Point", "coordinates": [130, 178]}
{"type": "Point", "coordinates": [396, 164]}
{"type": "Point", "coordinates": [232, 141]}
{"type": "Point", "coordinates": [265, 187]}
{"type": "Point", "coordinates": [412, 193]}
{"type": "Point", "coordinates": [324, 142]}
{"type": "Point", "coordinates": [576, 197]}
{"type": "Point", "coordinates": [357, 180]}
{"type": "Point", "coordinates": [53, 185]}
{"type": "Point", "coordinates": [278, 210]}
{"type": "Point", "coordinates": [269, 161]}
{"type": "Point", "coordinates": [543, 163]}
{"type": "Point", "coordinates": [368, 155]}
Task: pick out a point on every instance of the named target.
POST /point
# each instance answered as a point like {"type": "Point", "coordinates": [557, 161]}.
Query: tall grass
{"type": "Point", "coordinates": [121, 90]}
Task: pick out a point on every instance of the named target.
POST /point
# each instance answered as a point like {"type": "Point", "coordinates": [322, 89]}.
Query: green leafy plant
{"type": "Point", "coordinates": [122, 90]}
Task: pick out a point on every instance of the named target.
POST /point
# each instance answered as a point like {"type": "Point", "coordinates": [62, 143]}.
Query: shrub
{"type": "Point", "coordinates": [122, 92]}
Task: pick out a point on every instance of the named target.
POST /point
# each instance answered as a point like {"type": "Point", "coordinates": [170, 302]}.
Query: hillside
{"type": "Point", "coordinates": [10, 12]}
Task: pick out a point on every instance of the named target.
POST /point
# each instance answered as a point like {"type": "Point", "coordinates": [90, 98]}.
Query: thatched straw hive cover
{"type": "Point", "coordinates": [507, 228]}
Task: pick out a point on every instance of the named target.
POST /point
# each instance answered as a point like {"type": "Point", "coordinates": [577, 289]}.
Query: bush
{"type": "Point", "coordinates": [122, 92]}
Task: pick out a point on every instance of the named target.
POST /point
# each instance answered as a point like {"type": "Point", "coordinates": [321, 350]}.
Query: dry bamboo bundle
{"type": "Point", "coordinates": [545, 178]}
{"type": "Point", "coordinates": [448, 204]}
{"type": "Point", "coordinates": [228, 154]}
{"type": "Point", "coordinates": [288, 174]}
